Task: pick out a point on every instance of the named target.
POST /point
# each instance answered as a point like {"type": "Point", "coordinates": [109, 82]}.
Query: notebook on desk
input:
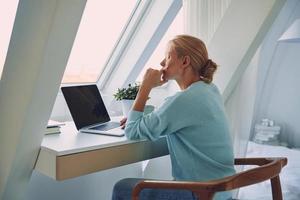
{"type": "Point", "coordinates": [89, 112]}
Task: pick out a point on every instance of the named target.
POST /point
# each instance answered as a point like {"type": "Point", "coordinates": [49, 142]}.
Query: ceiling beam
{"type": "Point", "coordinates": [42, 38]}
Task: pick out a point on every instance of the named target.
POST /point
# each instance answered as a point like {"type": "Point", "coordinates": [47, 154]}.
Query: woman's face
{"type": "Point", "coordinates": [171, 64]}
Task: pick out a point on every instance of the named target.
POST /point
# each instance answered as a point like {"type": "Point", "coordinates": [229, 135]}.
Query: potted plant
{"type": "Point", "coordinates": [127, 96]}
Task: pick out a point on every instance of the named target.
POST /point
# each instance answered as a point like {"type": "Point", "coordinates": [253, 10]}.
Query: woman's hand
{"type": "Point", "coordinates": [153, 78]}
{"type": "Point", "coordinates": [123, 122]}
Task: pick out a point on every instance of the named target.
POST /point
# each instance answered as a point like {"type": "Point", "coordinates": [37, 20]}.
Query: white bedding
{"type": "Point", "coordinates": [289, 176]}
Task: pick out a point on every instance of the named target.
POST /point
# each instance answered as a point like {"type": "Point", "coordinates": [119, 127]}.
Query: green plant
{"type": "Point", "coordinates": [127, 93]}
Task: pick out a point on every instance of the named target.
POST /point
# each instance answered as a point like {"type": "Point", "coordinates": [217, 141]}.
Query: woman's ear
{"type": "Point", "coordinates": [186, 61]}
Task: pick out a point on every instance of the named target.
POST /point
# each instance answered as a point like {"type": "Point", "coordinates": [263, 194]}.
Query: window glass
{"type": "Point", "coordinates": [100, 27]}
{"type": "Point", "coordinates": [8, 11]}
{"type": "Point", "coordinates": [176, 28]}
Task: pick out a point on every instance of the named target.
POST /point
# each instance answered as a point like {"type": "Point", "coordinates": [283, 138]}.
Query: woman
{"type": "Point", "coordinates": [193, 121]}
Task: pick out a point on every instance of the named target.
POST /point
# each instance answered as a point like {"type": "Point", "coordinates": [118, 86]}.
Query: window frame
{"type": "Point", "coordinates": [118, 46]}
{"type": "Point", "coordinates": [157, 24]}
{"type": "Point", "coordinates": [123, 41]}
{"type": "Point", "coordinates": [121, 51]}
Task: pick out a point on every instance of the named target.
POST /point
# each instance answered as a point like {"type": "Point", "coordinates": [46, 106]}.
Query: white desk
{"type": "Point", "coordinates": [71, 154]}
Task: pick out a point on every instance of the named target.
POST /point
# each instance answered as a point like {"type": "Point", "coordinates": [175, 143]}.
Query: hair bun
{"type": "Point", "coordinates": [207, 71]}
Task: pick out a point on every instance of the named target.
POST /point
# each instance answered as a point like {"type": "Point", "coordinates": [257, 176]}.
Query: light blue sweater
{"type": "Point", "coordinates": [197, 132]}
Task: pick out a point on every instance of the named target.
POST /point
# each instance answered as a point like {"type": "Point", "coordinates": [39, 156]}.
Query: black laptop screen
{"type": "Point", "coordinates": [86, 105]}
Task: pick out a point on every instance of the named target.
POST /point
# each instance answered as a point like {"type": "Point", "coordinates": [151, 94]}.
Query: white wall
{"type": "Point", "coordinates": [240, 106]}
{"type": "Point", "coordinates": [269, 92]}
{"type": "Point", "coordinates": [284, 104]}
{"type": "Point", "coordinates": [236, 40]}
{"type": "Point", "coordinates": [278, 78]}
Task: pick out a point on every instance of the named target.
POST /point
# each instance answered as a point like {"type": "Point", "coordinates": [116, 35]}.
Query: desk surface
{"type": "Point", "coordinates": [71, 153]}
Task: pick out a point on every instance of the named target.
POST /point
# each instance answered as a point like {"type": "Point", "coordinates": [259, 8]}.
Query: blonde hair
{"type": "Point", "coordinates": [186, 45]}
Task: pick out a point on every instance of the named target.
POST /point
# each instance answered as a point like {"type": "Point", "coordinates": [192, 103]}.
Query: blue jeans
{"type": "Point", "coordinates": [123, 189]}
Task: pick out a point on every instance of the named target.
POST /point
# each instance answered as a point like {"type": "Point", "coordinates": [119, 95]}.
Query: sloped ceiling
{"type": "Point", "coordinates": [239, 34]}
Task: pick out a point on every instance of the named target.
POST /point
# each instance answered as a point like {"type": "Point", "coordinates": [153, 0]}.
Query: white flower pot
{"type": "Point", "coordinates": [126, 106]}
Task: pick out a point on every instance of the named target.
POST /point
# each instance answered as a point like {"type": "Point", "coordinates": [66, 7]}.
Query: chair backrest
{"type": "Point", "coordinates": [269, 168]}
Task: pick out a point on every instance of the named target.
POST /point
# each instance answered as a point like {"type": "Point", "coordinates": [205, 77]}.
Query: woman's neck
{"type": "Point", "coordinates": [187, 79]}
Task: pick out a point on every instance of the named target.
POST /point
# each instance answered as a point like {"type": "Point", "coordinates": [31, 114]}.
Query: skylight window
{"type": "Point", "coordinates": [8, 11]}
{"type": "Point", "coordinates": [176, 28]}
{"type": "Point", "coordinates": [99, 30]}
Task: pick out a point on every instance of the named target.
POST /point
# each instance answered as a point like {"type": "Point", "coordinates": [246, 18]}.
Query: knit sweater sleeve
{"type": "Point", "coordinates": [160, 122]}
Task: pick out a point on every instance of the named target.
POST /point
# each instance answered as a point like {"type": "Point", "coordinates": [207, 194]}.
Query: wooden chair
{"type": "Point", "coordinates": [269, 168]}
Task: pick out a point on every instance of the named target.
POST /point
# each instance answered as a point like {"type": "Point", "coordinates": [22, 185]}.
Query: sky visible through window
{"type": "Point", "coordinates": [8, 11]}
{"type": "Point", "coordinates": [100, 28]}
{"type": "Point", "coordinates": [175, 28]}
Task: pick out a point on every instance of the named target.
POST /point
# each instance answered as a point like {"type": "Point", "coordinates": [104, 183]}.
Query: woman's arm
{"type": "Point", "coordinates": [152, 78]}
{"type": "Point", "coordinates": [141, 98]}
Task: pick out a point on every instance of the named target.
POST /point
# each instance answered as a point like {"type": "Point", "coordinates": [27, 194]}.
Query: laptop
{"type": "Point", "coordinates": [89, 112]}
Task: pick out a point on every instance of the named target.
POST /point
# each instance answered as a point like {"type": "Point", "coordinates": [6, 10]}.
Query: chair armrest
{"type": "Point", "coordinates": [258, 161]}
{"type": "Point", "coordinates": [269, 168]}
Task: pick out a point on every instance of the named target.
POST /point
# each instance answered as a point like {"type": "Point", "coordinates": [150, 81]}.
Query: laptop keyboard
{"type": "Point", "coordinates": [106, 126]}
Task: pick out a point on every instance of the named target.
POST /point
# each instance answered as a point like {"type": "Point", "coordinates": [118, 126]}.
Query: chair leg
{"type": "Point", "coordinates": [276, 188]}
